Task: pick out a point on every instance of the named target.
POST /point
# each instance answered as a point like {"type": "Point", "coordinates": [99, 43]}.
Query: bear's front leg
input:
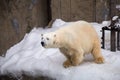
{"type": "Point", "coordinates": [77, 56]}
{"type": "Point", "coordinates": [76, 59]}
{"type": "Point", "coordinates": [67, 63]}
{"type": "Point", "coordinates": [73, 56]}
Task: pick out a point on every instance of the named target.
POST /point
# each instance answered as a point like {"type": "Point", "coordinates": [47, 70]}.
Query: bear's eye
{"type": "Point", "coordinates": [47, 38]}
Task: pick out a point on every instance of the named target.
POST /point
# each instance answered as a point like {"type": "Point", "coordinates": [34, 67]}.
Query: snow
{"type": "Point", "coordinates": [61, 23]}
{"type": "Point", "coordinates": [118, 7]}
{"type": "Point", "coordinates": [30, 58]}
{"type": "Point", "coordinates": [106, 23]}
{"type": "Point", "coordinates": [114, 18]}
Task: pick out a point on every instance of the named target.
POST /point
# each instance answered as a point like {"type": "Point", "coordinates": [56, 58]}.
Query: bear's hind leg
{"type": "Point", "coordinates": [96, 52]}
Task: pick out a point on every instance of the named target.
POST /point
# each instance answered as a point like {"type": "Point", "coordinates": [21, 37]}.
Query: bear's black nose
{"type": "Point", "coordinates": [42, 43]}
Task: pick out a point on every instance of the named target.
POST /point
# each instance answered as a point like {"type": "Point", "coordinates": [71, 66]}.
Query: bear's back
{"type": "Point", "coordinates": [80, 33]}
{"type": "Point", "coordinates": [78, 28]}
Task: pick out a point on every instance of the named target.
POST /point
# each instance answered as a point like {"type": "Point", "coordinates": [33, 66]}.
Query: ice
{"type": "Point", "coordinates": [30, 58]}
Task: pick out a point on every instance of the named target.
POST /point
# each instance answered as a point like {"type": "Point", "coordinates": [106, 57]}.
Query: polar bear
{"type": "Point", "coordinates": [74, 40]}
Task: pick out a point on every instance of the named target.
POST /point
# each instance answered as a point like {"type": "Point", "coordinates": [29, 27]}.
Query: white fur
{"type": "Point", "coordinates": [75, 40]}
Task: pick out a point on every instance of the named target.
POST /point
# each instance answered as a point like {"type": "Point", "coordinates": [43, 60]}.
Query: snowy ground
{"type": "Point", "coordinates": [29, 57]}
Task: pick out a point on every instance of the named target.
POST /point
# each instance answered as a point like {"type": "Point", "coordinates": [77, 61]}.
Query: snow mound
{"type": "Point", "coordinates": [61, 23]}
{"type": "Point", "coordinates": [29, 57]}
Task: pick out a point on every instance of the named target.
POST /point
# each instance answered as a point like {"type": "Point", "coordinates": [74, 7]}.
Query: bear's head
{"type": "Point", "coordinates": [50, 40]}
